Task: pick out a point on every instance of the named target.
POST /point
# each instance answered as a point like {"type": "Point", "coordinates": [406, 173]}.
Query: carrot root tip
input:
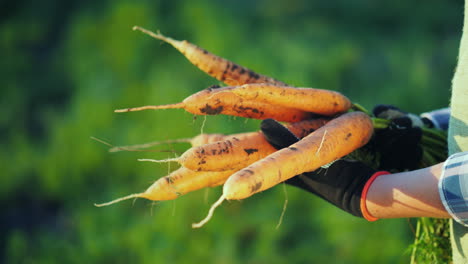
{"type": "Point", "coordinates": [156, 35]}
{"type": "Point", "coordinates": [210, 213]}
{"type": "Point", "coordinates": [135, 195]}
{"type": "Point", "coordinates": [151, 107]}
{"type": "Point", "coordinates": [285, 205]}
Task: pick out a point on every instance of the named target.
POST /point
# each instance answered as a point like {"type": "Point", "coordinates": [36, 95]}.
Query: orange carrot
{"type": "Point", "coordinates": [213, 101]}
{"type": "Point", "coordinates": [219, 68]}
{"type": "Point", "coordinates": [237, 151]}
{"type": "Point", "coordinates": [223, 155]}
{"type": "Point", "coordinates": [337, 138]}
{"type": "Point", "coordinates": [334, 140]}
{"type": "Point", "coordinates": [179, 182]}
{"type": "Point", "coordinates": [325, 102]}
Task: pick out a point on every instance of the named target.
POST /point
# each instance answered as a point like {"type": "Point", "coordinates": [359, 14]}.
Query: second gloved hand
{"type": "Point", "coordinates": [399, 145]}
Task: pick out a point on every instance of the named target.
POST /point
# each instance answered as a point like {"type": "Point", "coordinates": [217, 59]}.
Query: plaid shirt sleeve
{"type": "Point", "coordinates": [453, 187]}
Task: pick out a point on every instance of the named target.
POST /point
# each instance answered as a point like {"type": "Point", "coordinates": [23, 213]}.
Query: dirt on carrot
{"type": "Point", "coordinates": [219, 68]}
{"type": "Point", "coordinates": [319, 101]}
{"type": "Point", "coordinates": [237, 151]}
{"type": "Point", "coordinates": [334, 140]}
{"type": "Point", "coordinates": [179, 182]}
{"type": "Point", "coordinates": [214, 101]}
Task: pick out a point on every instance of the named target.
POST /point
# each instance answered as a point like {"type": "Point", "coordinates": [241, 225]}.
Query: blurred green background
{"type": "Point", "coordinates": [66, 65]}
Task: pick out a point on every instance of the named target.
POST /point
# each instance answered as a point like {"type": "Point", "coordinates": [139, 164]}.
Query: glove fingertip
{"type": "Point", "coordinates": [269, 124]}
{"type": "Point", "coordinates": [276, 134]}
{"type": "Point", "coordinates": [387, 111]}
{"type": "Point", "coordinates": [380, 108]}
{"type": "Point", "coordinates": [404, 122]}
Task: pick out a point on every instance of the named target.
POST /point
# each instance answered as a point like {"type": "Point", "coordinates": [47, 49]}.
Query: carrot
{"type": "Point", "coordinates": [334, 140]}
{"type": "Point", "coordinates": [213, 101]}
{"type": "Point", "coordinates": [237, 151]}
{"type": "Point", "coordinates": [325, 102]}
{"type": "Point", "coordinates": [179, 182]}
{"type": "Point", "coordinates": [219, 68]}
{"type": "Point", "coordinates": [229, 154]}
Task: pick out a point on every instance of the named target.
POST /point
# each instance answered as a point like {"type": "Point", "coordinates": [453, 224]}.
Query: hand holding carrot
{"type": "Point", "coordinates": [253, 162]}
{"type": "Point", "coordinates": [342, 184]}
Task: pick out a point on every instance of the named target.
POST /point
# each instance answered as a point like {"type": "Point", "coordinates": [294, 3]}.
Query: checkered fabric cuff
{"type": "Point", "coordinates": [453, 187]}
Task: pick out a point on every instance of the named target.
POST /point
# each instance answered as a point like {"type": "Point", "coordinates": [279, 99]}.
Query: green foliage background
{"type": "Point", "coordinates": [66, 65]}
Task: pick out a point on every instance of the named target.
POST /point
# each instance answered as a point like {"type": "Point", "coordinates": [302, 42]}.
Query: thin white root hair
{"type": "Point", "coordinates": [147, 145]}
{"type": "Point", "coordinates": [285, 205]}
{"type": "Point", "coordinates": [321, 142]}
{"type": "Point", "coordinates": [161, 161]}
{"type": "Point", "coordinates": [210, 213]}
{"type": "Point", "coordinates": [203, 124]}
{"type": "Point", "coordinates": [102, 141]}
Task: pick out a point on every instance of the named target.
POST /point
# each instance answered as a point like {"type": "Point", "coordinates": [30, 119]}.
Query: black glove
{"type": "Point", "coordinates": [341, 184]}
{"type": "Point", "coordinates": [399, 144]}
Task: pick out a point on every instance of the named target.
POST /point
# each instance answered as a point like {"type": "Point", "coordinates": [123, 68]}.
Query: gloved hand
{"type": "Point", "coordinates": [343, 183]}
{"type": "Point", "coordinates": [399, 145]}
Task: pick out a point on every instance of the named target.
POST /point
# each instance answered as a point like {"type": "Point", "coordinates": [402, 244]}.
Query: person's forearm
{"type": "Point", "coordinates": [407, 194]}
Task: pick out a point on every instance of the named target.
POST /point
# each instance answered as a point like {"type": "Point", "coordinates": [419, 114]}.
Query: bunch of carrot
{"type": "Point", "coordinates": [246, 163]}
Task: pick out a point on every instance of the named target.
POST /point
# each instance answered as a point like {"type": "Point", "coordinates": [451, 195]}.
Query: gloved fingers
{"type": "Point", "coordinates": [399, 146]}
{"type": "Point", "coordinates": [407, 121]}
{"type": "Point", "coordinates": [394, 160]}
{"type": "Point", "coordinates": [388, 111]}
{"type": "Point", "coordinates": [309, 181]}
{"type": "Point", "coordinates": [329, 175]}
{"type": "Point", "coordinates": [401, 129]}
{"type": "Point", "coordinates": [401, 123]}
{"type": "Point", "coordinates": [341, 184]}
{"type": "Point", "coordinates": [398, 117]}
{"type": "Point", "coordinates": [276, 134]}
